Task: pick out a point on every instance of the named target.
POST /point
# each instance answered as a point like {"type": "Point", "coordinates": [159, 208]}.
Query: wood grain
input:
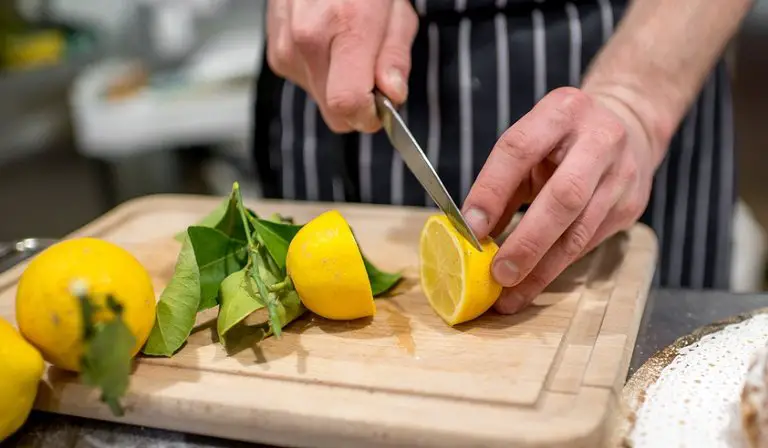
{"type": "Point", "coordinates": [550, 376]}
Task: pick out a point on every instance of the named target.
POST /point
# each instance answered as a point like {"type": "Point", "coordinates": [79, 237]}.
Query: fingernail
{"type": "Point", "coordinates": [506, 273]}
{"type": "Point", "coordinates": [397, 82]}
{"type": "Point", "coordinates": [510, 303]}
{"type": "Point", "coordinates": [477, 220]}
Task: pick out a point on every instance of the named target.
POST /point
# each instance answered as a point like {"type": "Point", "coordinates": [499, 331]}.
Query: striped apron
{"type": "Point", "coordinates": [477, 68]}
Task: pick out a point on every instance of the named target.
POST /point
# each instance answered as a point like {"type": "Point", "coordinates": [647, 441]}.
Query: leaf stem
{"type": "Point", "coordinates": [280, 286]}
{"type": "Point", "coordinates": [274, 318]}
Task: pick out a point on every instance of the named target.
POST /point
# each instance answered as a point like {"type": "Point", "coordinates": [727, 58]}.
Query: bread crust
{"type": "Point", "coordinates": [754, 401]}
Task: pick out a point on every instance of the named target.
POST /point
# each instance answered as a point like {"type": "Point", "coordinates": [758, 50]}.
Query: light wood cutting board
{"type": "Point", "coordinates": [550, 376]}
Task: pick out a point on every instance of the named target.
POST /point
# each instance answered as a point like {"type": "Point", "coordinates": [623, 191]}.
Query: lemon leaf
{"type": "Point", "coordinates": [217, 255]}
{"type": "Point", "coordinates": [177, 307]}
{"type": "Point", "coordinates": [276, 237]}
{"type": "Point", "coordinates": [224, 217]}
{"type": "Point", "coordinates": [106, 361]}
{"type": "Point", "coordinates": [239, 296]}
{"type": "Point", "coordinates": [209, 220]}
{"type": "Point", "coordinates": [230, 223]}
{"type": "Point", "coordinates": [381, 281]}
{"type": "Point", "coordinates": [242, 336]}
{"type": "Point", "coordinates": [239, 299]}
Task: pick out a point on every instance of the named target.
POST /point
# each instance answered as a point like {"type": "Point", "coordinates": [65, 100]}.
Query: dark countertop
{"type": "Point", "coordinates": [668, 315]}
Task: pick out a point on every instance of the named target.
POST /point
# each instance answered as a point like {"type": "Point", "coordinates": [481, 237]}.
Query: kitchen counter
{"type": "Point", "coordinates": [669, 315]}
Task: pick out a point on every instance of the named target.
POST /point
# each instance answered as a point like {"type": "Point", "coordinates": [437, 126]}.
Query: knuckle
{"type": "Point", "coordinates": [278, 58]}
{"type": "Point", "coordinates": [577, 239]}
{"type": "Point", "coordinates": [630, 211]}
{"type": "Point", "coordinates": [491, 191]}
{"type": "Point", "coordinates": [570, 194]}
{"type": "Point", "coordinates": [411, 20]}
{"type": "Point", "coordinates": [344, 15]}
{"type": "Point", "coordinates": [307, 35]}
{"type": "Point", "coordinates": [517, 144]}
{"type": "Point", "coordinates": [345, 102]}
{"type": "Point", "coordinates": [397, 57]}
{"type": "Point", "coordinates": [629, 173]}
{"type": "Point", "coordinates": [571, 104]}
{"type": "Point", "coordinates": [610, 134]}
{"type": "Point", "coordinates": [535, 283]}
{"type": "Point", "coordinates": [526, 250]}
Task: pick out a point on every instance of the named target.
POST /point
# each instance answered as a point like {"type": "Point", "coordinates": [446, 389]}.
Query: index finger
{"type": "Point", "coordinates": [520, 148]}
{"type": "Point", "coordinates": [354, 50]}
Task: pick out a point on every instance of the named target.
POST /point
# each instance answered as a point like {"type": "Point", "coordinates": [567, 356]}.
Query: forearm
{"type": "Point", "coordinates": [656, 62]}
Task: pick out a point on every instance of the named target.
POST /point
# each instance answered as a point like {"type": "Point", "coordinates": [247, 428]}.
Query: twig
{"type": "Point", "coordinates": [274, 318]}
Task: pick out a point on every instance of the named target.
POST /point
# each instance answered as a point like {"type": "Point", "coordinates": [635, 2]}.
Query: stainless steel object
{"type": "Point", "coordinates": [402, 139]}
{"type": "Point", "coordinates": [12, 253]}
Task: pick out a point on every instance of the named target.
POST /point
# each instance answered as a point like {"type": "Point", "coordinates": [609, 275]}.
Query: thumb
{"type": "Point", "coordinates": [393, 65]}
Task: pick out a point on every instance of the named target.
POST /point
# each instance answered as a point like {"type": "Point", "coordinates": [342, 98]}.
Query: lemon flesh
{"type": "Point", "coordinates": [456, 277]}
{"type": "Point", "coordinates": [21, 368]}
{"type": "Point", "coordinates": [49, 315]}
{"type": "Point", "coordinates": [326, 267]}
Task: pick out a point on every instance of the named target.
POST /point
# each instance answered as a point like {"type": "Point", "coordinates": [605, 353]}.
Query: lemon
{"type": "Point", "coordinates": [49, 315]}
{"type": "Point", "coordinates": [456, 277]}
{"type": "Point", "coordinates": [21, 368]}
{"type": "Point", "coordinates": [326, 267]}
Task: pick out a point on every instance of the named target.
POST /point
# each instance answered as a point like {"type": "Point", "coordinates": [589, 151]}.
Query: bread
{"type": "Point", "coordinates": [754, 401]}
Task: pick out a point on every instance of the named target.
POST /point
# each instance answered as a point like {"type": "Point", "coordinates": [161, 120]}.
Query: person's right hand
{"type": "Point", "coordinates": [338, 50]}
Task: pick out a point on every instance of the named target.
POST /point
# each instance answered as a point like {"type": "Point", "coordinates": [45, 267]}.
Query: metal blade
{"type": "Point", "coordinates": [402, 139]}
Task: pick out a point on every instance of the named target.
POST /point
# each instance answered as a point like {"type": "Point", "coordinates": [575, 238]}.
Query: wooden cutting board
{"type": "Point", "coordinates": [550, 376]}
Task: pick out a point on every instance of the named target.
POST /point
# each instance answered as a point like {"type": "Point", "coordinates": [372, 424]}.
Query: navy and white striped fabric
{"type": "Point", "coordinates": [475, 71]}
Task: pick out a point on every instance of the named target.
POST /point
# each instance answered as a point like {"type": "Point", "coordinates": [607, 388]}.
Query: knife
{"type": "Point", "coordinates": [402, 139]}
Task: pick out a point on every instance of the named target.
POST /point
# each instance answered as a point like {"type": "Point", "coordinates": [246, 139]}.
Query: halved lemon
{"type": "Point", "coordinates": [456, 277]}
{"type": "Point", "coordinates": [327, 269]}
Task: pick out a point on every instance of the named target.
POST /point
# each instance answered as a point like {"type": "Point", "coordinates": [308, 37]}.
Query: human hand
{"type": "Point", "coordinates": [586, 163]}
{"type": "Point", "coordinates": [338, 50]}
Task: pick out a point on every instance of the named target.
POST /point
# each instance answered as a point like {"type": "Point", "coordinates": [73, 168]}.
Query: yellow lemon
{"type": "Point", "coordinates": [21, 368]}
{"type": "Point", "coordinates": [456, 277]}
{"type": "Point", "coordinates": [327, 269]}
{"type": "Point", "coordinates": [49, 315]}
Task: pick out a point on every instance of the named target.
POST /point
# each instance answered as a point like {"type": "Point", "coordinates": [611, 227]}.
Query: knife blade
{"type": "Point", "coordinates": [413, 156]}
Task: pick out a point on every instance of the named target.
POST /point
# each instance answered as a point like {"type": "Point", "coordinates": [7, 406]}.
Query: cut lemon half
{"type": "Point", "coordinates": [456, 277]}
{"type": "Point", "coordinates": [327, 269]}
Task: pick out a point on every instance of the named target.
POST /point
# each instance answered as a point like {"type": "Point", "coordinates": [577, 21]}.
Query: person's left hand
{"type": "Point", "coordinates": [586, 164]}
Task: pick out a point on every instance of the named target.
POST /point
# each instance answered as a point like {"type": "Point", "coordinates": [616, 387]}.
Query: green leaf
{"type": "Point", "coordinates": [240, 297]}
{"type": "Point", "coordinates": [177, 307]}
{"type": "Point", "coordinates": [209, 220]}
{"type": "Point", "coordinates": [218, 255]}
{"type": "Point", "coordinates": [241, 335]}
{"type": "Point", "coordinates": [381, 281]}
{"type": "Point", "coordinates": [239, 300]}
{"type": "Point", "coordinates": [276, 236]}
{"type": "Point", "coordinates": [291, 308]}
{"type": "Point", "coordinates": [277, 217]}
{"type": "Point", "coordinates": [253, 270]}
{"type": "Point", "coordinates": [106, 361]}
{"type": "Point", "coordinates": [225, 217]}
{"type": "Point", "coordinates": [273, 304]}
{"type": "Point", "coordinates": [230, 223]}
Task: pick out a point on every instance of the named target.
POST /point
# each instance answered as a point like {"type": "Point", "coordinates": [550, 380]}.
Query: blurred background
{"type": "Point", "coordinates": [102, 101]}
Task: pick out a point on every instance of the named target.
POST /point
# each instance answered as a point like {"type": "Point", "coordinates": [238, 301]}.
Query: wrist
{"type": "Point", "coordinates": [638, 111]}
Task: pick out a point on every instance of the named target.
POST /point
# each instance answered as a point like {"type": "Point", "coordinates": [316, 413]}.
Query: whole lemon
{"type": "Point", "coordinates": [49, 315]}
{"type": "Point", "coordinates": [326, 267]}
{"type": "Point", "coordinates": [21, 368]}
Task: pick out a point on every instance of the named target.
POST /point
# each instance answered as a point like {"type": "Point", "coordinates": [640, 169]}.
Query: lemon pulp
{"type": "Point", "coordinates": [455, 277]}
